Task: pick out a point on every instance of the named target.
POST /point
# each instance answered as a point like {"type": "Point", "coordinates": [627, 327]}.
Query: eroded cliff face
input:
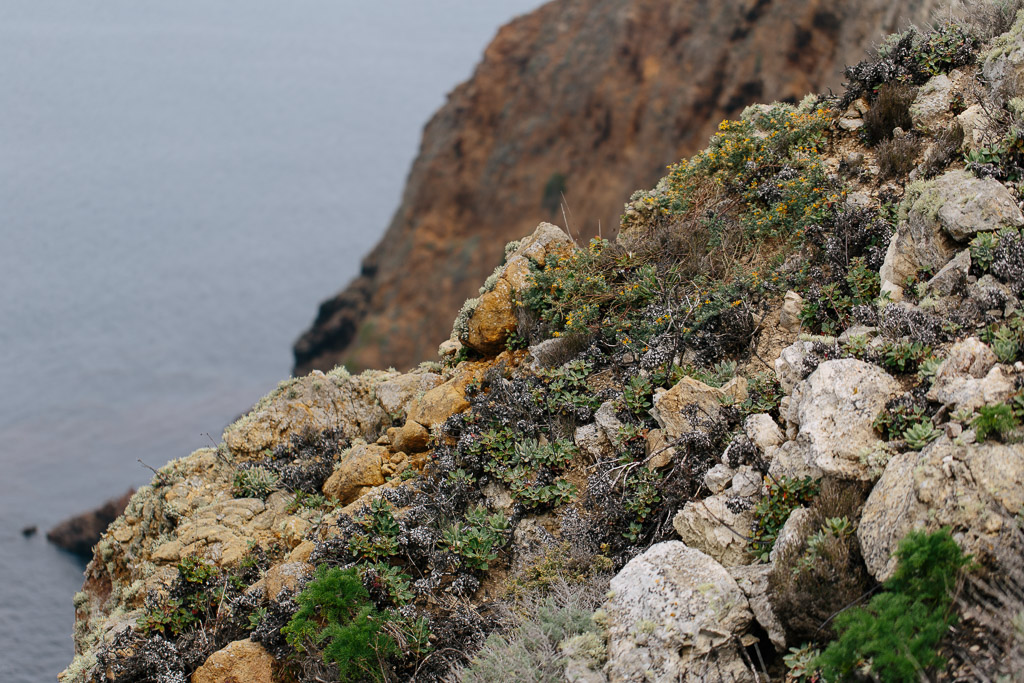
{"type": "Point", "coordinates": [586, 98]}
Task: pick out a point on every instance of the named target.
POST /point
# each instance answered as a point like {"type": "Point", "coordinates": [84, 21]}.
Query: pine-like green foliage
{"type": "Point", "coordinates": [335, 615]}
{"type": "Point", "coordinates": [897, 633]}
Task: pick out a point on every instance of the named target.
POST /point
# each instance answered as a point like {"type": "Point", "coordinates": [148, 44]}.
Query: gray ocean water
{"type": "Point", "coordinates": [180, 183]}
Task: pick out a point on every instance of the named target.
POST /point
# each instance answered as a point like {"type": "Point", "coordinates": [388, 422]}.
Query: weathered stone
{"type": "Point", "coordinates": [978, 127]}
{"type": "Point", "coordinates": [412, 437]}
{"type": "Point", "coordinates": [676, 614]}
{"type": "Point", "coordinates": [591, 439]}
{"type": "Point", "coordinates": [718, 478]}
{"type": "Point", "coordinates": [975, 489]}
{"type": "Point", "coordinates": [952, 279]}
{"type": "Point", "coordinates": [970, 357]}
{"type": "Point", "coordinates": [1003, 65]}
{"type": "Point", "coordinates": [243, 661]}
{"type": "Point", "coordinates": [736, 388]}
{"type": "Point", "coordinates": [970, 393]}
{"type": "Point", "coordinates": [605, 418]}
{"type": "Point", "coordinates": [789, 366]}
{"type": "Point", "coordinates": [440, 403]}
{"type": "Point", "coordinates": [659, 453]}
{"type": "Point", "coordinates": [687, 407]}
{"type": "Point", "coordinates": [747, 483]}
{"type": "Point", "coordinates": [318, 401]}
{"type": "Point", "coordinates": [753, 581]}
{"type": "Point", "coordinates": [931, 106]}
{"type": "Point", "coordinates": [359, 468]}
{"type": "Point", "coordinates": [397, 393]}
{"type": "Point", "coordinates": [789, 317]}
{"type": "Point", "coordinates": [763, 432]}
{"type": "Point", "coordinates": [834, 410]}
{"type": "Point", "coordinates": [790, 534]}
{"type": "Point", "coordinates": [711, 526]}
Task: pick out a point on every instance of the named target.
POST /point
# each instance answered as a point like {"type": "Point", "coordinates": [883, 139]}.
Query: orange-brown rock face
{"type": "Point", "coordinates": [586, 98]}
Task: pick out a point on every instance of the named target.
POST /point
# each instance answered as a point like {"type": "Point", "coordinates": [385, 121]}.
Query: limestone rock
{"type": "Point", "coordinates": [359, 470]}
{"type": "Point", "coordinates": [591, 439]}
{"type": "Point", "coordinates": [753, 581]}
{"type": "Point", "coordinates": [975, 489]}
{"type": "Point", "coordinates": [970, 357]}
{"type": "Point", "coordinates": [243, 661]}
{"type": "Point", "coordinates": [686, 407]}
{"type": "Point", "coordinates": [969, 393]}
{"type": "Point", "coordinates": [952, 279]}
{"type": "Point", "coordinates": [318, 401]}
{"type": "Point", "coordinates": [606, 420]}
{"type": "Point", "coordinates": [397, 393]}
{"type": "Point", "coordinates": [711, 526]}
{"type": "Point", "coordinates": [931, 105]}
{"type": "Point", "coordinates": [659, 453]}
{"type": "Point", "coordinates": [789, 318]}
{"type": "Point", "coordinates": [834, 410]}
{"type": "Point", "coordinates": [676, 614]}
{"type": "Point", "coordinates": [763, 432]}
{"type": "Point", "coordinates": [718, 478]}
{"type": "Point", "coordinates": [790, 533]}
{"type": "Point", "coordinates": [1003, 65]}
{"type": "Point", "coordinates": [977, 125]}
{"type": "Point", "coordinates": [789, 366]}
{"type": "Point", "coordinates": [747, 483]}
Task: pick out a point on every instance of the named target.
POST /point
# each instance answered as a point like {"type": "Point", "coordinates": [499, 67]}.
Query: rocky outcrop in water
{"type": "Point", "coordinates": [589, 99]}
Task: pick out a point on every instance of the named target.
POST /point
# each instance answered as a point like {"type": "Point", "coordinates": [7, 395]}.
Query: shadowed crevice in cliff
{"type": "Point", "coordinates": [604, 93]}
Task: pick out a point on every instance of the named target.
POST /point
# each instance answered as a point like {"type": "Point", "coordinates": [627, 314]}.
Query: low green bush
{"type": "Point", "coordinates": [895, 636]}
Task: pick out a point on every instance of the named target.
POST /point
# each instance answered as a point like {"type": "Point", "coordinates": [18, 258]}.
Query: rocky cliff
{"type": "Point", "coordinates": [586, 98]}
{"type": "Point", "coordinates": [791, 388]}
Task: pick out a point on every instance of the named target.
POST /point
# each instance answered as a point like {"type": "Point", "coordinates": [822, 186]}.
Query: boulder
{"type": "Point", "coordinates": [494, 318]}
{"type": "Point", "coordinates": [687, 407]}
{"type": "Point", "coordinates": [719, 478]}
{"type": "Point", "coordinates": [931, 105]}
{"type": "Point", "coordinates": [243, 661]}
{"type": "Point", "coordinates": [977, 125]}
{"type": "Point", "coordinates": [969, 393]}
{"type": "Point", "coordinates": [674, 614]}
{"type": "Point", "coordinates": [790, 534]}
{"type": "Point", "coordinates": [606, 419]}
{"type": "Point", "coordinates": [969, 357]}
{"type": "Point", "coordinates": [440, 403]}
{"type": "Point", "coordinates": [347, 403]}
{"type": "Point", "coordinates": [286, 577]}
{"type": "Point", "coordinates": [977, 490]}
{"type": "Point", "coordinates": [763, 432]}
{"type": "Point", "coordinates": [753, 581]}
{"type": "Point", "coordinates": [359, 470]}
{"type": "Point", "coordinates": [659, 452]}
{"type": "Point", "coordinates": [1003, 65]}
{"type": "Point", "coordinates": [412, 437]}
{"type": "Point", "coordinates": [591, 440]}
{"type": "Point", "coordinates": [834, 410]}
{"type": "Point", "coordinates": [952, 279]}
{"type": "Point", "coordinates": [711, 526]}
{"type": "Point", "coordinates": [953, 207]}
{"type": "Point", "coordinates": [789, 317]}
{"type": "Point", "coordinates": [790, 367]}
{"type": "Point", "coordinates": [397, 393]}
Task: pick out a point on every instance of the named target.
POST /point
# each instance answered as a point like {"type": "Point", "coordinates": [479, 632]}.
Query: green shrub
{"type": "Point", "coordinates": [336, 620]}
{"type": "Point", "coordinates": [894, 638]}
{"type": "Point", "coordinates": [379, 539]}
{"type": "Point", "coordinates": [476, 539]}
{"type": "Point", "coordinates": [904, 356]}
{"type": "Point", "coordinates": [773, 509]}
{"type": "Point", "coordinates": [997, 420]}
{"type": "Point", "coordinates": [982, 247]}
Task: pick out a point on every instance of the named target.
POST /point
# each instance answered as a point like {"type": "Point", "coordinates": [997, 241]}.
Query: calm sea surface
{"type": "Point", "coordinates": [180, 183]}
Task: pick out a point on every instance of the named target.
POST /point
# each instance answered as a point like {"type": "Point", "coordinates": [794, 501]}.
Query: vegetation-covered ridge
{"type": "Point", "coordinates": [771, 431]}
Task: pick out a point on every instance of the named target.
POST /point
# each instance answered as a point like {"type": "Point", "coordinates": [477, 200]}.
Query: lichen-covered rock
{"type": "Point", "coordinates": [976, 490]}
{"type": "Point", "coordinates": [243, 661]}
{"type": "Point", "coordinates": [397, 393]}
{"type": "Point", "coordinates": [445, 400]}
{"type": "Point", "coordinates": [753, 581]}
{"type": "Point", "coordinates": [676, 614]}
{"type": "Point", "coordinates": [687, 407]}
{"type": "Point", "coordinates": [977, 125]}
{"type": "Point", "coordinates": [789, 535]}
{"type": "Point", "coordinates": [412, 437]}
{"type": "Point", "coordinates": [790, 367]}
{"type": "Point", "coordinates": [359, 470]}
{"type": "Point", "coordinates": [970, 357]}
{"type": "Point", "coordinates": [718, 527]}
{"type": "Point", "coordinates": [964, 392]}
{"type": "Point", "coordinates": [834, 410]}
{"type": "Point", "coordinates": [762, 431]}
{"type": "Point", "coordinates": [591, 439]}
{"type": "Point", "coordinates": [494, 317]}
{"type": "Point", "coordinates": [319, 401]}
{"type": "Point", "coordinates": [950, 209]}
{"type": "Point", "coordinates": [931, 105]}
{"type": "Point", "coordinates": [952, 279]}
{"type": "Point", "coordinates": [1003, 65]}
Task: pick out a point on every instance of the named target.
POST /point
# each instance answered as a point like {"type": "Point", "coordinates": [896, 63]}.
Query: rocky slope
{"type": "Point", "coordinates": [793, 386]}
{"type": "Point", "coordinates": [587, 97]}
